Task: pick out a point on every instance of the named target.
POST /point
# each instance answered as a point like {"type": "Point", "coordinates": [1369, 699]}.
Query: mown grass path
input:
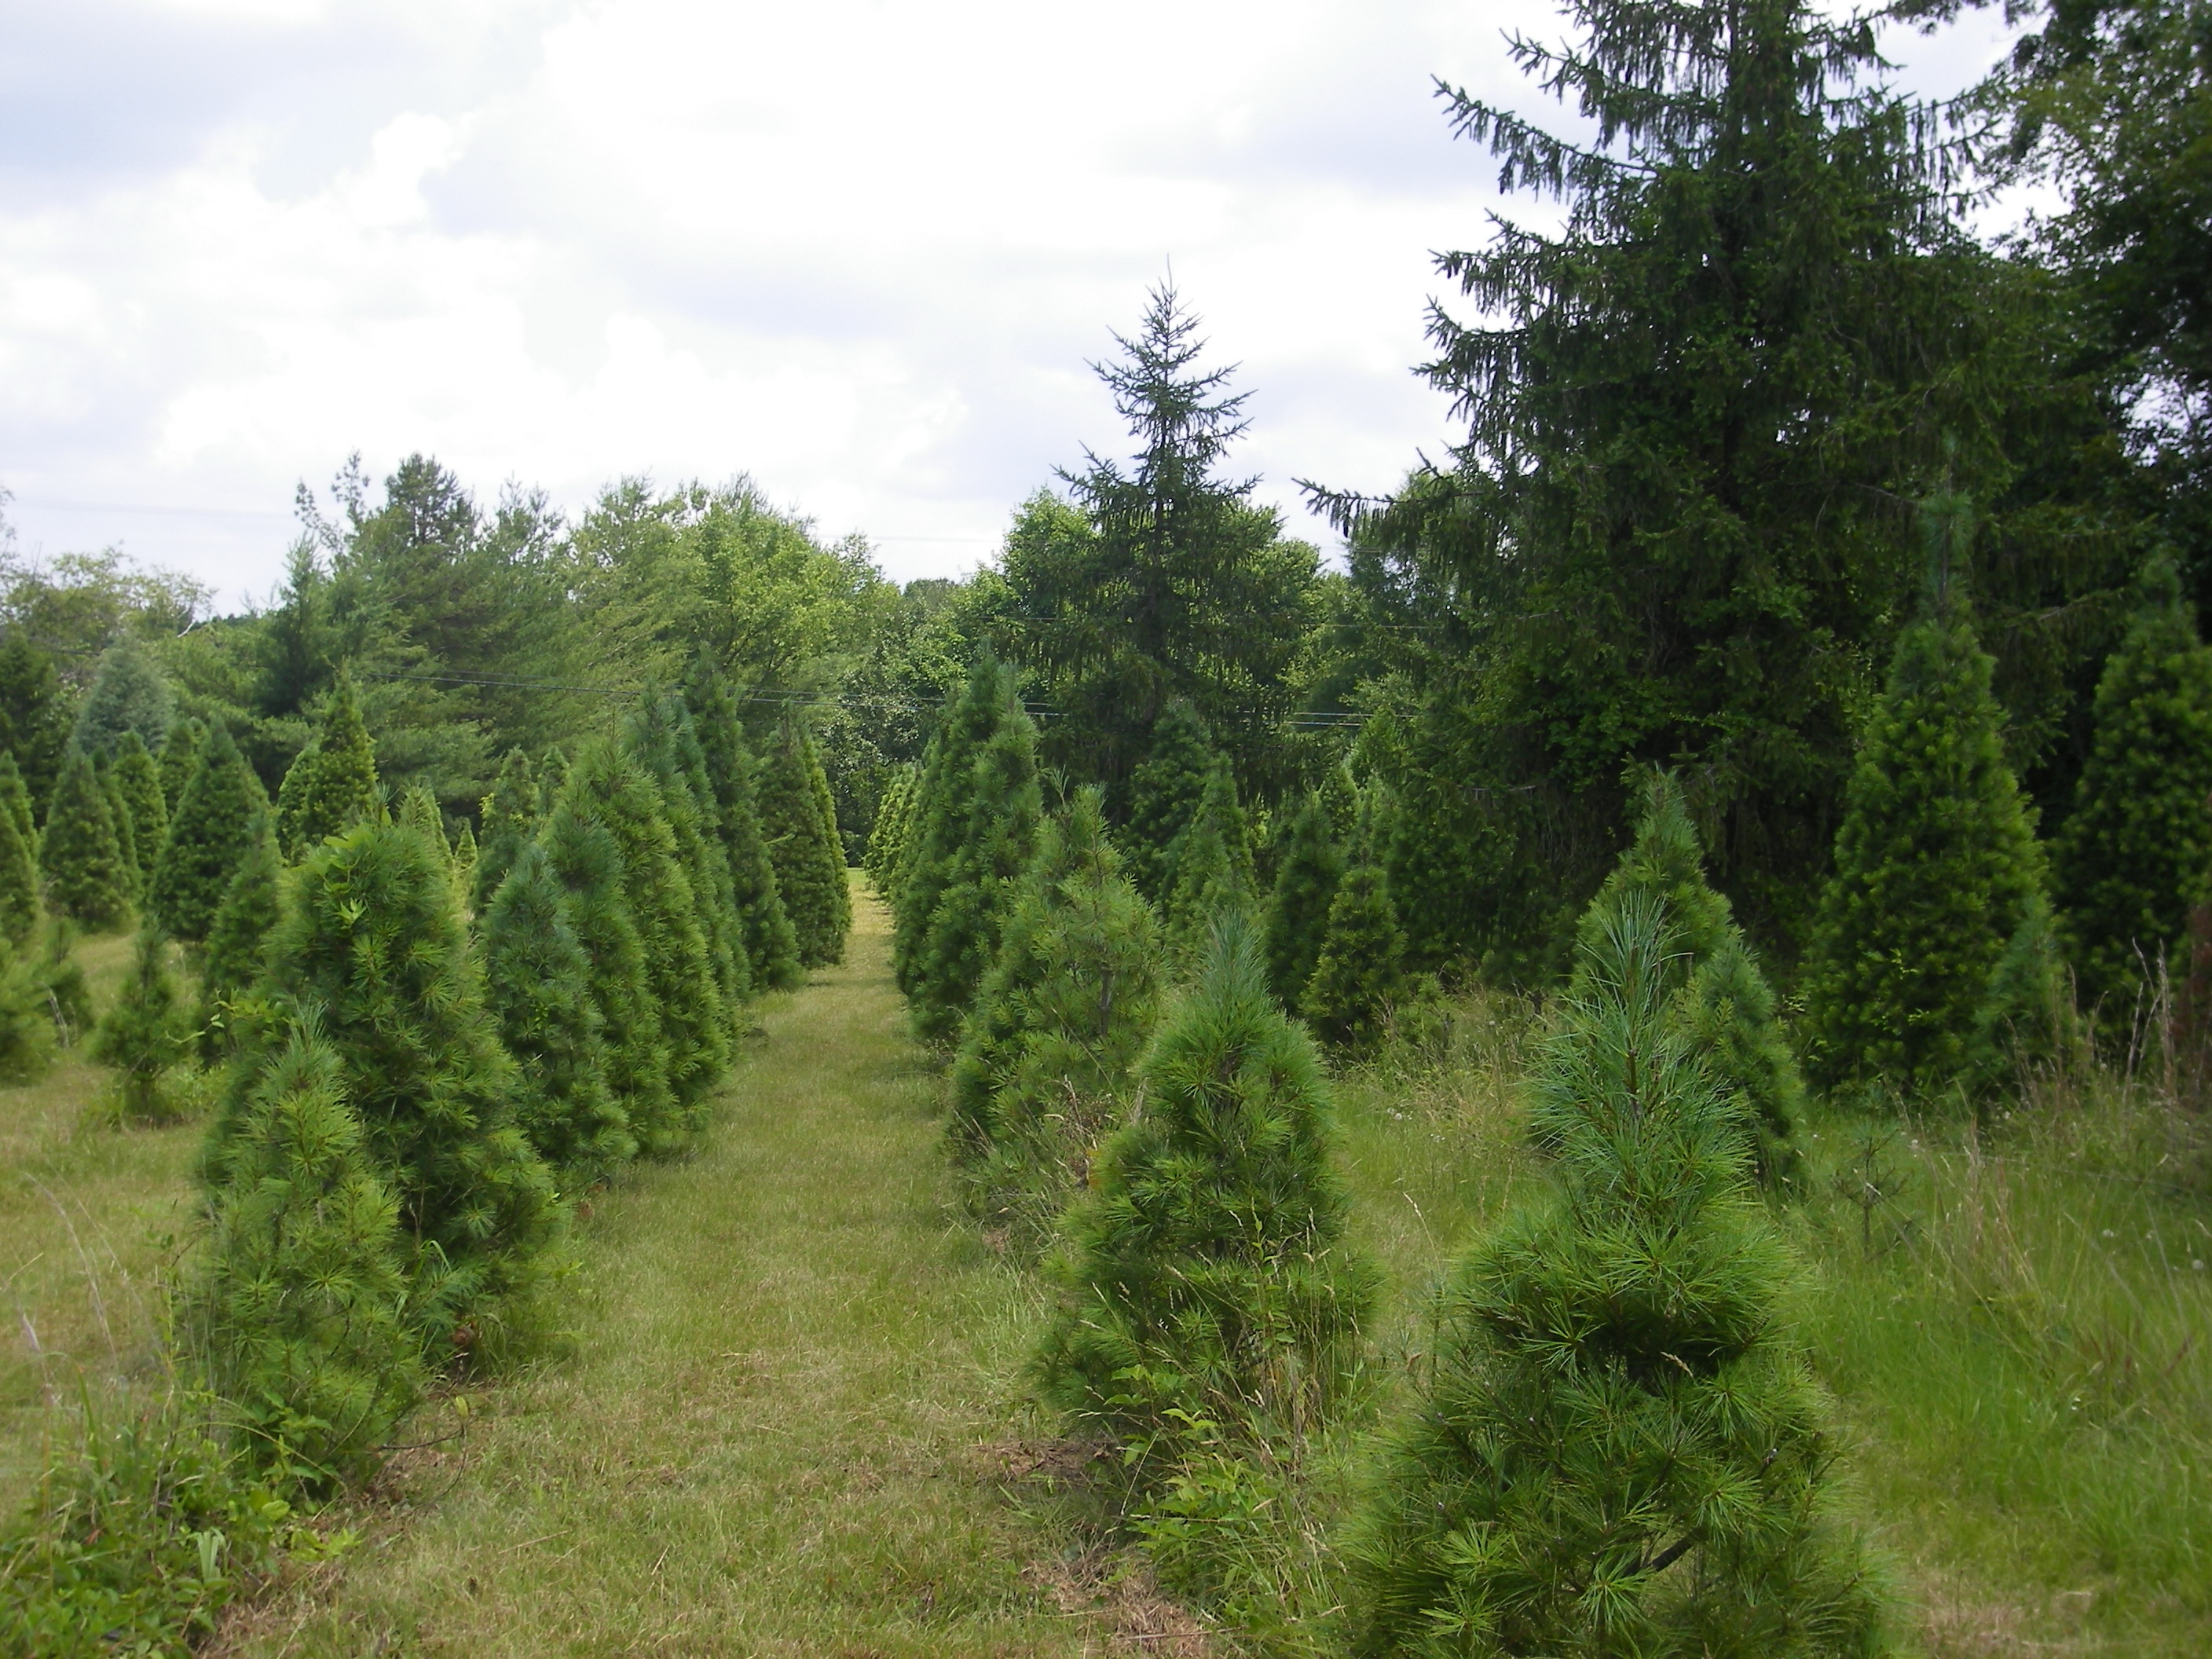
{"type": "Point", "coordinates": [778, 1432]}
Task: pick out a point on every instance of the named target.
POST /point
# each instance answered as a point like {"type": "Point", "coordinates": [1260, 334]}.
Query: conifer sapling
{"type": "Point", "coordinates": [81, 855]}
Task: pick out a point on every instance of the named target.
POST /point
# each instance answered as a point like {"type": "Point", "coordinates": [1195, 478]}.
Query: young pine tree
{"type": "Point", "coordinates": [81, 855]}
{"type": "Point", "coordinates": [128, 694]}
{"type": "Point", "coordinates": [138, 782]}
{"type": "Point", "coordinates": [1046, 1062]}
{"type": "Point", "coordinates": [662, 738]}
{"type": "Point", "coordinates": [1306, 878]}
{"type": "Point", "coordinates": [237, 941]}
{"type": "Point", "coordinates": [19, 864]}
{"type": "Point", "coordinates": [332, 785]}
{"type": "Point", "coordinates": [887, 841]}
{"type": "Point", "coordinates": [126, 839]}
{"type": "Point", "coordinates": [146, 1035]}
{"type": "Point", "coordinates": [943, 806]}
{"type": "Point", "coordinates": [833, 838]}
{"type": "Point", "coordinates": [1205, 1274]}
{"type": "Point", "coordinates": [538, 982]}
{"type": "Point", "coordinates": [763, 925]}
{"type": "Point", "coordinates": [1164, 793]}
{"type": "Point", "coordinates": [301, 1312]}
{"type": "Point", "coordinates": [1360, 971]}
{"type": "Point", "coordinates": [510, 820]}
{"type": "Point", "coordinates": [1209, 866]}
{"type": "Point", "coordinates": [180, 758]}
{"type": "Point", "coordinates": [16, 797]}
{"type": "Point", "coordinates": [216, 822]}
{"type": "Point", "coordinates": [1938, 890]}
{"type": "Point", "coordinates": [28, 1028]}
{"type": "Point", "coordinates": [1618, 1446]}
{"type": "Point", "coordinates": [2134, 858]}
{"type": "Point", "coordinates": [810, 864]}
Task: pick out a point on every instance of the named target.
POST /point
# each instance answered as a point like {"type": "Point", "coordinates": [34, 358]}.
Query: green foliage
{"type": "Point", "coordinates": [210, 835]}
{"type": "Point", "coordinates": [1205, 1276]}
{"type": "Point", "coordinates": [146, 1033]}
{"type": "Point", "coordinates": [62, 984]}
{"type": "Point", "coordinates": [511, 818]}
{"type": "Point", "coordinates": [764, 925]}
{"type": "Point", "coordinates": [943, 806]}
{"type": "Point", "coordinates": [19, 868]}
{"type": "Point", "coordinates": [539, 982]}
{"type": "Point", "coordinates": [803, 846]}
{"type": "Point", "coordinates": [180, 758]}
{"type": "Point", "coordinates": [138, 782]}
{"type": "Point", "coordinates": [663, 739]}
{"type": "Point", "coordinates": [128, 694]}
{"type": "Point", "coordinates": [15, 796]}
{"type": "Point", "coordinates": [1045, 1062]}
{"type": "Point", "coordinates": [34, 724]}
{"type": "Point", "coordinates": [1309, 867]}
{"type": "Point", "coordinates": [1360, 972]}
{"type": "Point", "coordinates": [126, 838]}
{"type": "Point", "coordinates": [28, 1026]}
{"type": "Point", "coordinates": [1164, 792]}
{"type": "Point", "coordinates": [332, 785]}
{"type": "Point", "coordinates": [1614, 1386]}
{"type": "Point", "coordinates": [237, 939]}
{"type": "Point", "coordinates": [887, 841]}
{"type": "Point", "coordinates": [1209, 866]}
{"type": "Point", "coordinates": [301, 1311]}
{"type": "Point", "coordinates": [81, 855]}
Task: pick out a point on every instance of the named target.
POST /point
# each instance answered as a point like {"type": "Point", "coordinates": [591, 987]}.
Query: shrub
{"type": "Point", "coordinates": [146, 1035]}
{"type": "Point", "coordinates": [332, 785]}
{"type": "Point", "coordinates": [803, 847]}
{"type": "Point", "coordinates": [81, 855]}
{"type": "Point", "coordinates": [216, 822]}
{"type": "Point", "coordinates": [1306, 876]}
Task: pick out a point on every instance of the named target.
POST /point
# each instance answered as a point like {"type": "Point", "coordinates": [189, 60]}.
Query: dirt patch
{"type": "Point", "coordinates": [1116, 1590]}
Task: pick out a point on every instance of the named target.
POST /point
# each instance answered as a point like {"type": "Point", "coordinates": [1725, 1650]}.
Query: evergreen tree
{"type": "Point", "coordinates": [34, 723]}
{"type": "Point", "coordinates": [1164, 792]}
{"type": "Point", "coordinates": [15, 796]}
{"type": "Point", "coordinates": [128, 694]}
{"type": "Point", "coordinates": [511, 818]}
{"type": "Point", "coordinates": [138, 782]}
{"type": "Point", "coordinates": [29, 1030]}
{"type": "Point", "coordinates": [943, 806]}
{"type": "Point", "coordinates": [180, 758]}
{"type": "Point", "coordinates": [146, 1034]}
{"type": "Point", "coordinates": [1937, 868]}
{"type": "Point", "coordinates": [810, 864]}
{"type": "Point", "coordinates": [371, 952]}
{"type": "Point", "coordinates": [2134, 858]}
{"type": "Point", "coordinates": [764, 925]}
{"type": "Point", "coordinates": [1046, 1057]}
{"type": "Point", "coordinates": [887, 841]}
{"type": "Point", "coordinates": [662, 737]}
{"type": "Point", "coordinates": [217, 820]}
{"type": "Point", "coordinates": [19, 869]}
{"type": "Point", "coordinates": [420, 812]}
{"type": "Point", "coordinates": [1361, 970]}
{"type": "Point", "coordinates": [1205, 1274]}
{"type": "Point", "coordinates": [552, 779]}
{"type": "Point", "coordinates": [237, 940]}
{"type": "Point", "coordinates": [833, 843]}
{"type": "Point", "coordinates": [1306, 878]}
{"type": "Point", "coordinates": [62, 984]}
{"type": "Point", "coordinates": [81, 855]}
{"type": "Point", "coordinates": [465, 857]}
{"type": "Point", "coordinates": [301, 1312]}
{"type": "Point", "coordinates": [1209, 866]}
{"type": "Point", "coordinates": [538, 982]}
{"type": "Point", "coordinates": [332, 785]}
{"type": "Point", "coordinates": [1003, 809]}
{"type": "Point", "coordinates": [1614, 1386]}
{"type": "Point", "coordinates": [119, 814]}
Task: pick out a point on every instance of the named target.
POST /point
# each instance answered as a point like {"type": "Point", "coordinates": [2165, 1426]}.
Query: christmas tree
{"type": "Point", "coordinates": [1306, 878]}
{"type": "Point", "coordinates": [16, 797]}
{"type": "Point", "coordinates": [332, 785]}
{"type": "Point", "coordinates": [19, 868]}
{"type": "Point", "coordinates": [1209, 866]}
{"type": "Point", "coordinates": [119, 814]}
{"type": "Point", "coordinates": [1164, 793]}
{"type": "Point", "coordinates": [128, 694]}
{"type": "Point", "coordinates": [943, 806]}
{"type": "Point", "coordinates": [663, 740]}
{"type": "Point", "coordinates": [210, 835]}
{"type": "Point", "coordinates": [1360, 972]}
{"type": "Point", "coordinates": [237, 939]}
{"type": "Point", "coordinates": [810, 864]}
{"type": "Point", "coordinates": [81, 855]}
{"type": "Point", "coordinates": [511, 818]}
{"type": "Point", "coordinates": [138, 782]}
{"type": "Point", "coordinates": [763, 925]}
{"type": "Point", "coordinates": [180, 758]}
{"type": "Point", "coordinates": [28, 1025]}
{"type": "Point", "coordinates": [887, 841]}
{"type": "Point", "coordinates": [146, 1035]}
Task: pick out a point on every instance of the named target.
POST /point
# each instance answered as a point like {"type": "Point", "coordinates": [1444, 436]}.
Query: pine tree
{"type": "Point", "coordinates": [511, 818]}
{"type": "Point", "coordinates": [1614, 1386]}
{"type": "Point", "coordinates": [301, 1312]}
{"type": "Point", "coordinates": [19, 868]}
{"type": "Point", "coordinates": [27, 1027]}
{"type": "Point", "coordinates": [663, 740]}
{"type": "Point", "coordinates": [138, 782]}
{"type": "Point", "coordinates": [62, 986]}
{"type": "Point", "coordinates": [237, 940]}
{"type": "Point", "coordinates": [539, 982]}
{"type": "Point", "coordinates": [1164, 793]}
{"type": "Point", "coordinates": [420, 812]}
{"type": "Point", "coordinates": [1046, 1057]}
{"type": "Point", "coordinates": [2134, 858]}
{"type": "Point", "coordinates": [552, 779]}
{"type": "Point", "coordinates": [1205, 1274]}
{"type": "Point", "coordinates": [146, 1034]}
{"type": "Point", "coordinates": [34, 724]}
{"type": "Point", "coordinates": [942, 802]}
{"type": "Point", "coordinates": [1937, 868]}
{"type": "Point", "coordinates": [332, 785]}
{"type": "Point", "coordinates": [832, 843]}
{"type": "Point", "coordinates": [126, 838]}
{"type": "Point", "coordinates": [180, 758]}
{"type": "Point", "coordinates": [1209, 866]}
{"type": "Point", "coordinates": [809, 865]}
{"type": "Point", "coordinates": [465, 859]}
{"type": "Point", "coordinates": [887, 841]}
{"type": "Point", "coordinates": [370, 952]}
{"type": "Point", "coordinates": [1005, 805]}
{"type": "Point", "coordinates": [210, 835]}
{"type": "Point", "coordinates": [1306, 879]}
{"type": "Point", "coordinates": [1361, 970]}
{"type": "Point", "coordinates": [81, 855]}
{"type": "Point", "coordinates": [128, 694]}
{"type": "Point", "coordinates": [15, 796]}
{"type": "Point", "coordinates": [764, 925]}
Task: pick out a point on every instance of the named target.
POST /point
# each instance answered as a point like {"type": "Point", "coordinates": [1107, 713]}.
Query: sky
{"type": "Point", "coordinates": [863, 251]}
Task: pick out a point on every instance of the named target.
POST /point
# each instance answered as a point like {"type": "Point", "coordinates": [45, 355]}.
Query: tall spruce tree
{"type": "Point", "coordinates": [138, 782]}
{"type": "Point", "coordinates": [19, 865]}
{"type": "Point", "coordinates": [1938, 874]}
{"type": "Point", "coordinates": [943, 809]}
{"type": "Point", "coordinates": [128, 694]}
{"type": "Point", "coordinates": [1205, 1274]}
{"type": "Point", "coordinates": [81, 855]}
{"type": "Point", "coordinates": [146, 1033]}
{"type": "Point", "coordinates": [809, 861]}
{"type": "Point", "coordinates": [764, 925]}
{"type": "Point", "coordinates": [180, 758]}
{"type": "Point", "coordinates": [511, 818]}
{"type": "Point", "coordinates": [1047, 1056]}
{"type": "Point", "coordinates": [1614, 1387]}
{"type": "Point", "coordinates": [1164, 792]}
{"type": "Point", "coordinates": [2135, 856]}
{"type": "Point", "coordinates": [1360, 971]}
{"type": "Point", "coordinates": [216, 822]}
{"type": "Point", "coordinates": [237, 942]}
{"type": "Point", "coordinates": [1306, 878]}
{"type": "Point", "coordinates": [1209, 866]}
{"type": "Point", "coordinates": [332, 785]}
{"type": "Point", "coordinates": [538, 982]}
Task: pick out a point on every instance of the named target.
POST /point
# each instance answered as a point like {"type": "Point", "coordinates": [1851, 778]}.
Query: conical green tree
{"type": "Point", "coordinates": [1004, 808]}
{"type": "Point", "coordinates": [332, 785]}
{"type": "Point", "coordinates": [1205, 1274]}
{"type": "Point", "coordinates": [1209, 867]}
{"type": "Point", "coordinates": [2134, 858]}
{"type": "Point", "coordinates": [126, 837]}
{"type": "Point", "coordinates": [833, 842]}
{"type": "Point", "coordinates": [180, 758]}
{"type": "Point", "coordinates": [1937, 868]}
{"type": "Point", "coordinates": [138, 781]}
{"type": "Point", "coordinates": [1164, 793]}
{"type": "Point", "coordinates": [1047, 1055]}
{"type": "Point", "coordinates": [237, 942]}
{"type": "Point", "coordinates": [19, 866]}
{"type": "Point", "coordinates": [301, 1312]}
{"type": "Point", "coordinates": [809, 865]}
{"type": "Point", "coordinates": [887, 841]}
{"type": "Point", "coordinates": [1618, 1445]}
{"type": "Point", "coordinates": [15, 796]}
{"type": "Point", "coordinates": [1361, 970]}
{"type": "Point", "coordinates": [538, 982]}
{"type": "Point", "coordinates": [764, 925]}
{"type": "Point", "coordinates": [552, 779]}
{"type": "Point", "coordinates": [662, 737]}
{"type": "Point", "coordinates": [420, 812]}
{"type": "Point", "coordinates": [943, 807]}
{"type": "Point", "coordinates": [371, 951]}
{"type": "Point", "coordinates": [588, 860]}
{"type": "Point", "coordinates": [81, 855]}
{"type": "Point", "coordinates": [28, 1028]}
{"type": "Point", "coordinates": [1306, 879]}
{"type": "Point", "coordinates": [213, 828]}
{"type": "Point", "coordinates": [128, 694]}
{"type": "Point", "coordinates": [465, 859]}
{"type": "Point", "coordinates": [146, 1034]}
{"type": "Point", "coordinates": [511, 818]}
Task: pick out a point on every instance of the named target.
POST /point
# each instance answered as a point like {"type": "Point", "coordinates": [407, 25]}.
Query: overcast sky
{"type": "Point", "coordinates": [860, 251]}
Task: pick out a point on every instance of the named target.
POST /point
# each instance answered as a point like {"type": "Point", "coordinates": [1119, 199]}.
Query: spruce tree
{"type": "Point", "coordinates": [216, 822]}
{"type": "Point", "coordinates": [764, 925]}
{"type": "Point", "coordinates": [15, 796]}
{"type": "Point", "coordinates": [810, 864]}
{"type": "Point", "coordinates": [237, 940]}
{"type": "Point", "coordinates": [1005, 805]}
{"type": "Point", "coordinates": [2133, 857]}
{"type": "Point", "coordinates": [1209, 866]}
{"type": "Point", "coordinates": [81, 855]}
{"type": "Point", "coordinates": [1306, 878]}
{"type": "Point", "coordinates": [1614, 1387]}
{"type": "Point", "coordinates": [552, 779]}
{"type": "Point", "coordinates": [138, 782]}
{"type": "Point", "coordinates": [146, 1034]}
{"type": "Point", "coordinates": [538, 982]}
{"type": "Point", "coordinates": [126, 838]}
{"type": "Point", "coordinates": [34, 723]}
{"type": "Point", "coordinates": [1937, 868]}
{"type": "Point", "coordinates": [128, 694]}
{"type": "Point", "coordinates": [887, 841]}
{"type": "Point", "coordinates": [1046, 1058]}
{"type": "Point", "coordinates": [371, 952]}
{"type": "Point", "coordinates": [19, 868]}
{"type": "Point", "coordinates": [1361, 970]}
{"type": "Point", "coordinates": [332, 785]}
{"type": "Point", "coordinates": [943, 807]}
{"type": "Point", "coordinates": [833, 841]}
{"type": "Point", "coordinates": [1164, 793]}
{"type": "Point", "coordinates": [663, 740]}
{"type": "Point", "coordinates": [180, 758]}
{"type": "Point", "coordinates": [1205, 1274]}
{"type": "Point", "coordinates": [301, 1312]}
{"type": "Point", "coordinates": [28, 1028]}
{"type": "Point", "coordinates": [511, 818]}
